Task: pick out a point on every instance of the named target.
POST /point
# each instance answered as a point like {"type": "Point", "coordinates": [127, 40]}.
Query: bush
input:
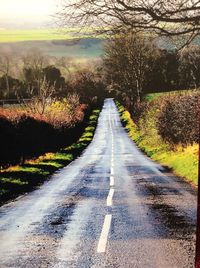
{"type": "Point", "coordinates": [183, 161]}
{"type": "Point", "coordinates": [7, 141]}
{"type": "Point", "coordinates": [178, 119]}
{"type": "Point", "coordinates": [25, 136]}
{"type": "Point", "coordinates": [34, 136]}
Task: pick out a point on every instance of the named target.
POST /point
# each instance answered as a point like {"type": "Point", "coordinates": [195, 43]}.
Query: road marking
{"type": "Point", "coordinates": [104, 234]}
{"type": "Point", "coordinates": [110, 197]}
{"type": "Point", "coordinates": [112, 181]}
{"type": "Point", "coordinates": [111, 171]}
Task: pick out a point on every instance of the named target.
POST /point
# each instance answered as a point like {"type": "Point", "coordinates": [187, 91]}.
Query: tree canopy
{"type": "Point", "coordinates": [169, 18]}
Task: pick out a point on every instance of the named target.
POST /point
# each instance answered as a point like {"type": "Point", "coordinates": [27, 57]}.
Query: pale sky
{"type": "Point", "coordinates": [27, 9]}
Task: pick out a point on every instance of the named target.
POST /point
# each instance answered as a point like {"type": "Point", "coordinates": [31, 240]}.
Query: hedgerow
{"type": "Point", "coordinates": [24, 135]}
{"type": "Point", "coordinates": [16, 180]}
{"type": "Point", "coordinates": [179, 151]}
{"type": "Point", "coordinates": [178, 119]}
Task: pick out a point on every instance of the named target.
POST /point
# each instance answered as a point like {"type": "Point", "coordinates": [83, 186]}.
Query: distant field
{"type": "Point", "coordinates": [42, 34]}
{"type": "Point", "coordinates": [81, 48]}
{"type": "Point", "coordinates": [67, 43]}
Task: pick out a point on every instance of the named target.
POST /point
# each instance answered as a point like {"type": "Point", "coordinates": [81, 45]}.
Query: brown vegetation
{"type": "Point", "coordinates": [25, 134]}
{"type": "Point", "coordinates": [178, 119]}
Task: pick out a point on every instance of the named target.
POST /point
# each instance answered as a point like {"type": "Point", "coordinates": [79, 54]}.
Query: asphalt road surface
{"type": "Point", "coordinates": [112, 207]}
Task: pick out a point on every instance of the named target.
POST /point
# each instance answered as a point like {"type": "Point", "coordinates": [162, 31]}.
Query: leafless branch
{"type": "Point", "coordinates": [169, 18]}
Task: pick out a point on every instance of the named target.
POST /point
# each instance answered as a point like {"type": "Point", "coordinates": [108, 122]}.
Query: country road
{"type": "Point", "coordinates": [112, 207]}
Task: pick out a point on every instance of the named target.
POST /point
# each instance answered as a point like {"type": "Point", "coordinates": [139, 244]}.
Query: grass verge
{"type": "Point", "coordinates": [17, 180]}
{"type": "Point", "coordinates": [182, 161]}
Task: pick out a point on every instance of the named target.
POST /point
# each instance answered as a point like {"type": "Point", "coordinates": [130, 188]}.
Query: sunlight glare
{"type": "Point", "coordinates": [27, 8]}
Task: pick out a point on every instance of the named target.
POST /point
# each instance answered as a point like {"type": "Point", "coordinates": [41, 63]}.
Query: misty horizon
{"type": "Point", "coordinates": [27, 14]}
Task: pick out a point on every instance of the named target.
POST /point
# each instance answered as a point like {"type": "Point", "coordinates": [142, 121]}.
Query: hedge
{"type": "Point", "coordinates": [178, 120]}
{"type": "Point", "coordinates": [27, 137]}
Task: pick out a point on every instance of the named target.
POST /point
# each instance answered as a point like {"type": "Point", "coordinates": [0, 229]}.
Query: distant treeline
{"type": "Point", "coordinates": [132, 66]}
{"type": "Point", "coordinates": [24, 77]}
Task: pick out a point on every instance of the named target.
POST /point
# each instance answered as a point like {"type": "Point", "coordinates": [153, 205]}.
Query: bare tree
{"type": "Point", "coordinates": [39, 103]}
{"type": "Point", "coordinates": [35, 59]}
{"type": "Point", "coordinates": [5, 68]}
{"type": "Point", "coordinates": [128, 58]}
{"type": "Point", "coordinates": [169, 18]}
{"type": "Point", "coordinates": [189, 69]}
{"type": "Point", "coordinates": [64, 64]}
{"type": "Point", "coordinates": [34, 62]}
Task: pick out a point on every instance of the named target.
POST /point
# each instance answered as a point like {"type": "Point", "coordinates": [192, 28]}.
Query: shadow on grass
{"type": "Point", "coordinates": [27, 177]}
{"type": "Point", "coordinates": [44, 167]}
{"type": "Point", "coordinates": [14, 183]}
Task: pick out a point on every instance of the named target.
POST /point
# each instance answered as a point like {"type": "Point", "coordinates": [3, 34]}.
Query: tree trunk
{"type": "Point", "coordinates": [7, 85]}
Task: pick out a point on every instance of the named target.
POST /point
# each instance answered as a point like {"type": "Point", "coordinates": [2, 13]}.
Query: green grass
{"type": "Point", "coordinates": [155, 96]}
{"type": "Point", "coordinates": [182, 161]}
{"type": "Point", "coordinates": [21, 179]}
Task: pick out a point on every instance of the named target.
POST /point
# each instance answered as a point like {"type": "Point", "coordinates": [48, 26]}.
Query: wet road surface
{"type": "Point", "coordinates": [112, 207]}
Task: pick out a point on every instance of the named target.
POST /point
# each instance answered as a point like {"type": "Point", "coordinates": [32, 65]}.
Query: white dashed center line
{"type": "Point", "coordinates": [111, 171]}
{"type": "Point", "coordinates": [101, 248]}
{"type": "Point", "coordinates": [110, 197]}
{"type": "Point", "coordinates": [112, 165]}
{"type": "Point", "coordinates": [112, 181]}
